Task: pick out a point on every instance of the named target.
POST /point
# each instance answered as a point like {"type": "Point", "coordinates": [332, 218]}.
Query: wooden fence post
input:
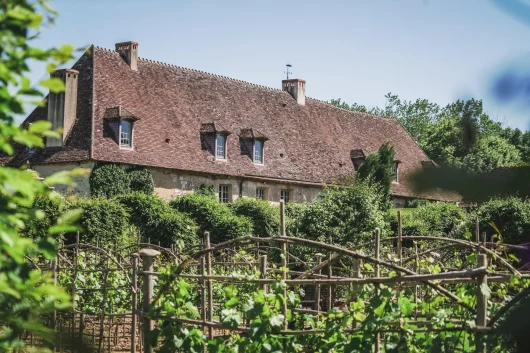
{"type": "Point", "coordinates": [203, 294]}
{"type": "Point", "coordinates": [482, 303]}
{"type": "Point", "coordinates": [400, 240]}
{"type": "Point", "coordinates": [263, 270]}
{"type": "Point", "coordinates": [148, 258]}
{"type": "Point", "coordinates": [477, 234]}
{"type": "Point", "coordinates": [377, 274]}
{"type": "Point", "coordinates": [206, 245]}
{"type": "Point", "coordinates": [134, 300]}
{"type": "Point", "coordinates": [317, 288]}
{"type": "Point", "coordinates": [330, 287]}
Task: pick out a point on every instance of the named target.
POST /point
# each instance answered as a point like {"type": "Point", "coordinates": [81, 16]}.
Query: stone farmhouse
{"type": "Point", "coordinates": [192, 128]}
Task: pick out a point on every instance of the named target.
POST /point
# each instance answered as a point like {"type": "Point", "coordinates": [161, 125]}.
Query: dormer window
{"type": "Point", "coordinates": [258, 151]}
{"type": "Point", "coordinates": [252, 144]}
{"type": "Point", "coordinates": [357, 157]}
{"type": "Point", "coordinates": [220, 146]}
{"type": "Point", "coordinates": [395, 172]}
{"type": "Point", "coordinates": [126, 134]}
{"type": "Point", "coordinates": [213, 140]}
{"type": "Point", "coordinates": [119, 126]}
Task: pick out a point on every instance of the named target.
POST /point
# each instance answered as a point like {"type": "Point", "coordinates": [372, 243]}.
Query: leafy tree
{"type": "Point", "coordinates": [491, 152]}
{"type": "Point", "coordinates": [26, 295]}
{"type": "Point", "coordinates": [378, 168]}
{"type": "Point", "coordinates": [265, 218]}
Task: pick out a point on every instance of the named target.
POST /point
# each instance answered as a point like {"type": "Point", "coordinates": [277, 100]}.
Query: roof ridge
{"type": "Point", "coordinates": [195, 70]}
{"type": "Point", "coordinates": [349, 110]}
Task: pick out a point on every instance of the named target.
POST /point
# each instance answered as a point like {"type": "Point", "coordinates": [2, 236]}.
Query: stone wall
{"type": "Point", "coordinates": [82, 188]}
{"type": "Point", "coordinates": [170, 183]}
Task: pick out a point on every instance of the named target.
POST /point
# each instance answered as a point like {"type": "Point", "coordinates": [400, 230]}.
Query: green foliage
{"type": "Point", "coordinates": [213, 216]}
{"type": "Point", "coordinates": [158, 222]}
{"type": "Point", "coordinates": [294, 214]}
{"type": "Point", "coordinates": [459, 135]}
{"type": "Point", "coordinates": [206, 191]}
{"type": "Point", "coordinates": [141, 180]}
{"type": "Point", "coordinates": [52, 209]}
{"type": "Point", "coordinates": [507, 218]}
{"type": "Point", "coordinates": [26, 295]}
{"type": "Point", "coordinates": [344, 215]}
{"type": "Point", "coordinates": [108, 180]}
{"type": "Point", "coordinates": [265, 218]}
{"type": "Point", "coordinates": [433, 218]}
{"type": "Point", "coordinates": [104, 221]}
{"type": "Point", "coordinates": [378, 168]}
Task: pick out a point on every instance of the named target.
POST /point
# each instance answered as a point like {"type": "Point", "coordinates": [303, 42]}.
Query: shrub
{"type": "Point", "coordinates": [511, 216]}
{"type": "Point", "coordinates": [51, 209]}
{"type": "Point", "coordinates": [213, 216]}
{"type": "Point", "coordinates": [102, 220]}
{"type": "Point", "coordinates": [158, 222]}
{"type": "Point", "coordinates": [294, 214]}
{"type": "Point", "coordinates": [108, 180]}
{"type": "Point", "coordinates": [433, 218]}
{"type": "Point", "coordinates": [141, 180]}
{"type": "Point", "coordinates": [265, 218]}
{"type": "Point", "coordinates": [206, 190]}
{"type": "Point", "coordinates": [345, 215]}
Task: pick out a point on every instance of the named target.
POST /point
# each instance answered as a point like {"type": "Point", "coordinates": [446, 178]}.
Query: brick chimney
{"type": "Point", "coordinates": [296, 88]}
{"type": "Point", "coordinates": [129, 53]}
{"type": "Point", "coordinates": [62, 106]}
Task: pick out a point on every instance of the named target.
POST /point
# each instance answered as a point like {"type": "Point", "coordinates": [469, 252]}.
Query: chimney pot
{"type": "Point", "coordinates": [129, 52]}
{"type": "Point", "coordinates": [296, 88]}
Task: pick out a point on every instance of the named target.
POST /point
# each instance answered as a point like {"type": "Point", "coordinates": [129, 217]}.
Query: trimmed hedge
{"type": "Point", "coordinates": [158, 222]}
{"type": "Point", "coordinates": [265, 218]}
{"type": "Point", "coordinates": [108, 180]}
{"type": "Point", "coordinates": [102, 220]}
{"type": "Point", "coordinates": [141, 180]}
{"type": "Point", "coordinates": [213, 216]}
{"type": "Point", "coordinates": [511, 216]}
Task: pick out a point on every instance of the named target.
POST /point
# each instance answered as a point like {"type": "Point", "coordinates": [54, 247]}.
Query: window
{"type": "Point", "coordinates": [224, 193]}
{"type": "Point", "coordinates": [395, 170]}
{"type": "Point", "coordinates": [126, 134]}
{"type": "Point", "coordinates": [285, 195]}
{"type": "Point", "coordinates": [258, 151]}
{"type": "Point", "coordinates": [260, 193]}
{"type": "Point", "coordinates": [220, 146]}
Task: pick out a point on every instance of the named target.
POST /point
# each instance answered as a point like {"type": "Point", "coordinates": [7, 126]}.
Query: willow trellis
{"type": "Point", "coordinates": [109, 330]}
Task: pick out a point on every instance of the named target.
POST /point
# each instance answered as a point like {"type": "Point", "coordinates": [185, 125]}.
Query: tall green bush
{"type": "Point", "coordinates": [345, 215]}
{"type": "Point", "coordinates": [103, 220]}
{"type": "Point", "coordinates": [510, 216]}
{"type": "Point", "coordinates": [158, 222]}
{"type": "Point", "coordinates": [378, 168]}
{"type": "Point", "coordinates": [51, 209]}
{"type": "Point", "coordinates": [108, 180]}
{"type": "Point", "coordinates": [213, 216]}
{"type": "Point", "coordinates": [265, 217]}
{"type": "Point", "coordinates": [141, 180]}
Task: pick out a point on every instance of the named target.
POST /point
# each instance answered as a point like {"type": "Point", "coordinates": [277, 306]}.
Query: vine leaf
{"type": "Point", "coordinates": [277, 320]}
{"type": "Point", "coordinates": [406, 306]}
{"type": "Point", "coordinates": [485, 290]}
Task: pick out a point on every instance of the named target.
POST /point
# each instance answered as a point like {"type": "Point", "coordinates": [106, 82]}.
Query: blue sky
{"type": "Point", "coordinates": [357, 50]}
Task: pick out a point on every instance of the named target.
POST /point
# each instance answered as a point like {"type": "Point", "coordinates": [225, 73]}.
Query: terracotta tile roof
{"type": "Point", "coordinates": [310, 143]}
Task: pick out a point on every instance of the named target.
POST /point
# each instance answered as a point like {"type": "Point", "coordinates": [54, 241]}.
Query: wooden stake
{"type": "Point", "coordinates": [206, 245]}
{"type": "Point", "coordinates": [263, 270]}
{"type": "Point", "coordinates": [317, 287]}
{"type": "Point", "coordinates": [477, 233]}
{"type": "Point", "coordinates": [400, 239]}
{"type": "Point", "coordinates": [284, 277]}
{"type": "Point", "coordinates": [482, 303]}
{"type": "Point", "coordinates": [203, 294]}
{"type": "Point", "coordinates": [134, 300]}
{"type": "Point", "coordinates": [282, 218]}
{"type": "Point", "coordinates": [330, 287]}
{"type": "Point", "coordinates": [377, 274]}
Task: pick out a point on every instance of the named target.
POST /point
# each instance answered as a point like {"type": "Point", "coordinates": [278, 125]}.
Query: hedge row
{"type": "Point", "coordinates": [109, 180]}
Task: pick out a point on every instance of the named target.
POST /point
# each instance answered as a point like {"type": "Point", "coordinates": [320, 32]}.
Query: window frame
{"type": "Point", "coordinates": [262, 144]}
{"type": "Point", "coordinates": [285, 192]}
{"type": "Point", "coordinates": [129, 146]}
{"type": "Point", "coordinates": [263, 192]}
{"type": "Point", "coordinates": [220, 191]}
{"type": "Point", "coordinates": [395, 172]}
{"type": "Point", "coordinates": [224, 157]}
